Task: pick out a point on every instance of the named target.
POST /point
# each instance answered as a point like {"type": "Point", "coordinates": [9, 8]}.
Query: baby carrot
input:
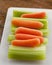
{"type": "Point", "coordinates": [34, 15]}
{"type": "Point", "coordinates": [27, 23]}
{"type": "Point", "coordinates": [26, 43]}
{"type": "Point", "coordinates": [28, 31]}
{"type": "Point", "coordinates": [27, 36]}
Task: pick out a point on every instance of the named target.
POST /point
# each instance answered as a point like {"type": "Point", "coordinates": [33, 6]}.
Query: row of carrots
{"type": "Point", "coordinates": [27, 33]}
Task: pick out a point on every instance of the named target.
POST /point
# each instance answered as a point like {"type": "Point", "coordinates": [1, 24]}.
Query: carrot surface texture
{"type": "Point", "coordinates": [27, 23]}
{"type": "Point", "coordinates": [34, 15]}
{"type": "Point", "coordinates": [26, 43]}
{"type": "Point", "coordinates": [28, 31]}
{"type": "Point", "coordinates": [27, 36]}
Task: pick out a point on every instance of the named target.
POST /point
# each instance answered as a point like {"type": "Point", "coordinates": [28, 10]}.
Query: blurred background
{"type": "Point", "coordinates": [5, 4]}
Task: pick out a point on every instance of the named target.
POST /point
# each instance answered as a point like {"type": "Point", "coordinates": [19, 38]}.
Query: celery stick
{"type": "Point", "coordinates": [10, 38]}
{"type": "Point", "coordinates": [45, 32]}
{"type": "Point", "coordinates": [26, 53]}
{"type": "Point", "coordinates": [13, 28]}
{"type": "Point", "coordinates": [17, 13]}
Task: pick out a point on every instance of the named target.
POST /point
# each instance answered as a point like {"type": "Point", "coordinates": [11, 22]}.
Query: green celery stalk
{"type": "Point", "coordinates": [17, 13]}
{"type": "Point", "coordinates": [26, 53]}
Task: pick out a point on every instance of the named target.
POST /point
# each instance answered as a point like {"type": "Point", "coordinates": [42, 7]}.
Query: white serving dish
{"type": "Point", "coordinates": [4, 44]}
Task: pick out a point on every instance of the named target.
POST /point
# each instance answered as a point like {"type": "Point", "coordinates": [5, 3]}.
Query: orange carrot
{"type": "Point", "coordinates": [24, 30]}
{"type": "Point", "coordinates": [26, 43]}
{"type": "Point", "coordinates": [27, 23]}
{"type": "Point", "coordinates": [34, 15]}
{"type": "Point", "coordinates": [27, 36]}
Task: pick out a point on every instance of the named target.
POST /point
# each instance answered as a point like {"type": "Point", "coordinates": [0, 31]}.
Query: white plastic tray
{"type": "Point", "coordinates": [4, 44]}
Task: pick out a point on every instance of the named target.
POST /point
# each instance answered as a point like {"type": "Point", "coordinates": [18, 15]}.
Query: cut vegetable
{"type": "Point", "coordinates": [34, 15]}
{"type": "Point", "coordinates": [24, 30]}
{"type": "Point", "coordinates": [27, 23]}
{"type": "Point", "coordinates": [17, 13]}
{"type": "Point", "coordinates": [12, 37]}
{"type": "Point", "coordinates": [44, 31]}
{"type": "Point", "coordinates": [44, 21]}
{"type": "Point", "coordinates": [23, 53]}
{"type": "Point", "coordinates": [26, 43]}
{"type": "Point", "coordinates": [25, 37]}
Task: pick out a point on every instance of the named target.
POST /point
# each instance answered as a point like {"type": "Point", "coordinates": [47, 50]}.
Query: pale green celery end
{"type": "Point", "coordinates": [13, 28]}
{"type": "Point", "coordinates": [45, 32]}
{"type": "Point", "coordinates": [18, 13]}
{"type": "Point", "coordinates": [10, 38]}
{"type": "Point", "coordinates": [45, 41]}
